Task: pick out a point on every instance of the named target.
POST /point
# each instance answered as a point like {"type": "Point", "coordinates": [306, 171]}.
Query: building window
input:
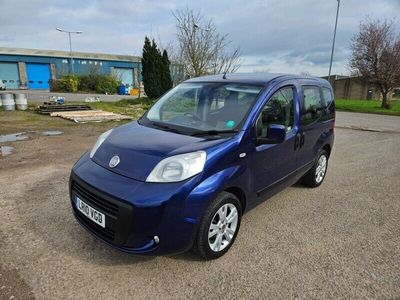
{"type": "Point", "coordinates": [83, 62]}
{"type": "Point", "coordinates": [100, 63]}
{"type": "Point", "coordinates": [64, 61]}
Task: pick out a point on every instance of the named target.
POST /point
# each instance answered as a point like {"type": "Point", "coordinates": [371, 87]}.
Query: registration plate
{"type": "Point", "coordinates": [90, 212]}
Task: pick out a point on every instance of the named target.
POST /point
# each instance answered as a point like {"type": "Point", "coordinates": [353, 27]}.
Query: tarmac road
{"type": "Point", "coordinates": [341, 240]}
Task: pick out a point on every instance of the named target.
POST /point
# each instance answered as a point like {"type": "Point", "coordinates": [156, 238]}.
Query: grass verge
{"type": "Point", "coordinates": [15, 121]}
{"type": "Point", "coordinates": [131, 107]}
{"type": "Point", "coordinates": [368, 106]}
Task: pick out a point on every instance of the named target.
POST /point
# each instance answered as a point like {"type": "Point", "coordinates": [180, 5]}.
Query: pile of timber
{"type": "Point", "coordinates": [90, 116]}
{"type": "Point", "coordinates": [48, 108]}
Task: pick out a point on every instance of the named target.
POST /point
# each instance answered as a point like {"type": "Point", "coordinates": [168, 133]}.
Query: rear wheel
{"type": "Point", "coordinates": [219, 227]}
{"type": "Point", "coordinates": [316, 175]}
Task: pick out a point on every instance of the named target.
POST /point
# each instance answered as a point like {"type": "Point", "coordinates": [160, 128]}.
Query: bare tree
{"type": "Point", "coordinates": [202, 49]}
{"type": "Point", "coordinates": [376, 56]}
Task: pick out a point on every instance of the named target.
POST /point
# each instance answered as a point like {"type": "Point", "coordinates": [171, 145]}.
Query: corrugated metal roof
{"type": "Point", "coordinates": [63, 54]}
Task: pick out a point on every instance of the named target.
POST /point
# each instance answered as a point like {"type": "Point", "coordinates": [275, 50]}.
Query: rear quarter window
{"type": "Point", "coordinates": [313, 104]}
{"type": "Point", "coordinates": [328, 96]}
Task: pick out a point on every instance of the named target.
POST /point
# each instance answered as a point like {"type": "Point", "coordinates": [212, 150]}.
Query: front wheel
{"type": "Point", "coordinates": [219, 227]}
{"type": "Point", "coordinates": [316, 175]}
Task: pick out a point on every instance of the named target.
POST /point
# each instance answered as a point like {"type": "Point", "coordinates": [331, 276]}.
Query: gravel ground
{"type": "Point", "coordinates": [341, 240]}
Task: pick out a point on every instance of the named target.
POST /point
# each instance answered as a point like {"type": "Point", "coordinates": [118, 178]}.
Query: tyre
{"type": "Point", "coordinates": [218, 227]}
{"type": "Point", "coordinates": [316, 175]}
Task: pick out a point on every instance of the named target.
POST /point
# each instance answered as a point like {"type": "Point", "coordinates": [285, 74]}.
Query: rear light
{"type": "Point", "coordinates": [334, 121]}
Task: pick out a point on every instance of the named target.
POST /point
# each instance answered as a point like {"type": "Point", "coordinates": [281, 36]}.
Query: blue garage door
{"type": "Point", "coordinates": [9, 75]}
{"type": "Point", "coordinates": [125, 75]}
{"type": "Point", "coordinates": [38, 76]}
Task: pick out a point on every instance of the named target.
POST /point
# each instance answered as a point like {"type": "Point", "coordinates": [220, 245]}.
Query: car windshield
{"type": "Point", "coordinates": [196, 108]}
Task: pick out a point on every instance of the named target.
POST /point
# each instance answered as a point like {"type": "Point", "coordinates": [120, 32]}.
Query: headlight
{"type": "Point", "coordinates": [178, 167]}
{"type": "Point", "coordinates": [100, 141]}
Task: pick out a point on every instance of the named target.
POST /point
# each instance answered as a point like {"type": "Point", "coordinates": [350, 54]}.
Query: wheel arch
{"type": "Point", "coordinates": [327, 148]}
{"type": "Point", "coordinates": [240, 194]}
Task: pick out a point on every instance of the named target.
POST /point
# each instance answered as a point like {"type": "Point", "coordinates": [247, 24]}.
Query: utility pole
{"type": "Point", "coordinates": [334, 38]}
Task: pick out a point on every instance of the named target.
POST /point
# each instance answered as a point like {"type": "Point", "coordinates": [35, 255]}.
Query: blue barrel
{"type": "Point", "coordinates": [122, 90]}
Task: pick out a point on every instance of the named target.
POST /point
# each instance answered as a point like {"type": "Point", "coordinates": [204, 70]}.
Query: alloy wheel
{"type": "Point", "coordinates": [223, 227]}
{"type": "Point", "coordinates": [321, 169]}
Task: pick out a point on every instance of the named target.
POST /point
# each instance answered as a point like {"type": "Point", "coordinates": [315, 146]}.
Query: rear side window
{"type": "Point", "coordinates": [328, 96]}
{"type": "Point", "coordinates": [312, 104]}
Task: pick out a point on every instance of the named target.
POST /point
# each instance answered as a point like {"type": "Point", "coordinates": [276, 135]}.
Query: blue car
{"type": "Point", "coordinates": [206, 152]}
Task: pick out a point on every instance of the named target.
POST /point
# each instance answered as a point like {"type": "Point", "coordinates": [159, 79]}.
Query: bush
{"type": "Point", "coordinates": [68, 84]}
{"type": "Point", "coordinates": [106, 84]}
{"type": "Point", "coordinates": [87, 83]}
{"type": "Point", "coordinates": [92, 83]}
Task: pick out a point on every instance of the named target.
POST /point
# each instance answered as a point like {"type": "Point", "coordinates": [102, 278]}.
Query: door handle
{"type": "Point", "coordinates": [303, 137]}
{"type": "Point", "coordinates": [297, 141]}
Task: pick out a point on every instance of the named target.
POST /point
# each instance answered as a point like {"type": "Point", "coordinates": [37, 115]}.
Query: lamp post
{"type": "Point", "coordinates": [70, 46]}
{"type": "Point", "coordinates": [334, 37]}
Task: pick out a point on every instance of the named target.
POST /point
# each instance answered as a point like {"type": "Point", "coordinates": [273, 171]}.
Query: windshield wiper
{"type": "Point", "coordinates": [164, 127]}
{"type": "Point", "coordinates": [214, 132]}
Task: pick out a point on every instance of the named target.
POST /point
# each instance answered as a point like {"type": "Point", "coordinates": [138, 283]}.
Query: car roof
{"type": "Point", "coordinates": [255, 78]}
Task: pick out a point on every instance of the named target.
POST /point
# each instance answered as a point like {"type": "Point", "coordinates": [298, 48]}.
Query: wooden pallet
{"type": "Point", "coordinates": [48, 109]}
{"type": "Point", "coordinates": [90, 116]}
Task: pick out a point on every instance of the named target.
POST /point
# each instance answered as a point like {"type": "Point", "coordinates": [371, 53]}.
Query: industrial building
{"type": "Point", "coordinates": [33, 68]}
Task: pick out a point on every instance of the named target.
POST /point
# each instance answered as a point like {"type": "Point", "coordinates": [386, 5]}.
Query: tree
{"type": "Point", "coordinates": [155, 70]}
{"type": "Point", "coordinates": [202, 49]}
{"type": "Point", "coordinates": [376, 56]}
{"type": "Point", "coordinates": [151, 73]}
{"type": "Point", "coordinates": [166, 81]}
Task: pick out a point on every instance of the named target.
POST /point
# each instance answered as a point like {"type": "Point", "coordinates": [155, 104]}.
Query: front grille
{"type": "Point", "coordinates": [99, 203]}
{"type": "Point", "coordinates": [118, 214]}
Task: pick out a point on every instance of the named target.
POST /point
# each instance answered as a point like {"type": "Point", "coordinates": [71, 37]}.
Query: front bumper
{"type": "Point", "coordinates": [135, 211]}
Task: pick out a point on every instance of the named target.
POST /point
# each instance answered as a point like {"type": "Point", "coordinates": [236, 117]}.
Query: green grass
{"type": "Point", "coordinates": [131, 107]}
{"type": "Point", "coordinates": [367, 106]}
{"type": "Point", "coordinates": [16, 121]}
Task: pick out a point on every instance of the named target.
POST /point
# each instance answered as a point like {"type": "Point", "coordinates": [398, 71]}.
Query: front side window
{"type": "Point", "coordinates": [278, 110]}
{"type": "Point", "coordinates": [197, 107]}
{"type": "Point", "coordinates": [312, 105]}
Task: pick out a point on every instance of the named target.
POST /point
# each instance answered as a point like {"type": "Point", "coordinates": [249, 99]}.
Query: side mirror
{"type": "Point", "coordinates": [276, 134]}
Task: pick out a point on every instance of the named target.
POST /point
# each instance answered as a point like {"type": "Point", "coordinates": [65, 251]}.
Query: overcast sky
{"type": "Point", "coordinates": [275, 35]}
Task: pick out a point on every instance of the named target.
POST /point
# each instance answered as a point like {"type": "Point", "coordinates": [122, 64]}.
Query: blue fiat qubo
{"type": "Point", "coordinates": [206, 152]}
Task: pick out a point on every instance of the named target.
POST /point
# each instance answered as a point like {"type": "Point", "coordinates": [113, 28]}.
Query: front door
{"type": "Point", "coordinates": [272, 164]}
